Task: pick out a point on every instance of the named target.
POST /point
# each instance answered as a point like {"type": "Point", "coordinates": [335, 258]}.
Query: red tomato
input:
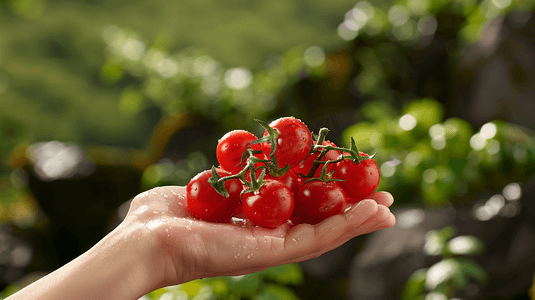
{"type": "Point", "coordinates": [290, 179]}
{"type": "Point", "coordinates": [271, 206]}
{"type": "Point", "coordinates": [359, 180]}
{"type": "Point", "coordinates": [317, 200]}
{"type": "Point", "coordinates": [231, 147]}
{"type": "Point", "coordinates": [205, 203]}
{"type": "Point", "coordinates": [305, 167]}
{"type": "Point", "coordinates": [294, 141]}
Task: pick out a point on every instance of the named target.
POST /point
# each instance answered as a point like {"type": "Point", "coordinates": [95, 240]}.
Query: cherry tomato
{"type": "Point", "coordinates": [205, 203]}
{"type": "Point", "coordinates": [293, 143]}
{"type": "Point", "coordinates": [305, 167]}
{"type": "Point", "coordinates": [359, 180]}
{"type": "Point", "coordinates": [290, 179]}
{"type": "Point", "coordinates": [271, 206]}
{"type": "Point", "coordinates": [317, 200]}
{"type": "Point", "coordinates": [230, 149]}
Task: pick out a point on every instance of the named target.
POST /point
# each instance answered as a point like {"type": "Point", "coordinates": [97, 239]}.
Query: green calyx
{"type": "Point", "coordinates": [354, 154]}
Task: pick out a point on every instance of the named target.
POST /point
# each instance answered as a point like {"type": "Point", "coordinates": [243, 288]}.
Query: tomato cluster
{"type": "Point", "coordinates": [287, 175]}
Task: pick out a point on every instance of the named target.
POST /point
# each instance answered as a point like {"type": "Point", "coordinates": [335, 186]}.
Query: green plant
{"type": "Point", "coordinates": [272, 283]}
{"type": "Point", "coordinates": [423, 156]}
{"type": "Point", "coordinates": [454, 273]}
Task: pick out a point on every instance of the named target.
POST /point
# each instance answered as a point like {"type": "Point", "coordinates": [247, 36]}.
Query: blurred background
{"type": "Point", "coordinates": [100, 100]}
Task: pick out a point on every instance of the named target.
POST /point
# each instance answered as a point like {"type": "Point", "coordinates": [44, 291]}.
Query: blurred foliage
{"type": "Point", "coordinates": [116, 79]}
{"type": "Point", "coordinates": [272, 283]}
{"type": "Point", "coordinates": [423, 156]}
{"type": "Point", "coordinates": [454, 273]}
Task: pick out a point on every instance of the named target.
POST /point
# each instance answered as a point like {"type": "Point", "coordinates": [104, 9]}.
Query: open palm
{"type": "Point", "coordinates": [186, 248]}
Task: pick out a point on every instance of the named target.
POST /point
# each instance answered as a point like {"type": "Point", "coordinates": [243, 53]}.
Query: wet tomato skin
{"type": "Point", "coordinates": [293, 143]}
{"type": "Point", "coordinates": [317, 200]}
{"type": "Point", "coordinates": [205, 203]}
{"type": "Point", "coordinates": [358, 180]}
{"type": "Point", "coordinates": [305, 166]}
{"type": "Point", "coordinates": [271, 206]}
{"type": "Point", "coordinates": [231, 147]}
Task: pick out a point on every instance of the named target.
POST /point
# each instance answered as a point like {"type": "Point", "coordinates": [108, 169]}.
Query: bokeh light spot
{"type": "Point", "coordinates": [438, 142]}
{"type": "Point", "coordinates": [437, 131]}
{"type": "Point", "coordinates": [407, 122]}
{"type": "Point", "coordinates": [133, 49]}
{"type": "Point", "coordinates": [512, 191]}
{"type": "Point", "coordinates": [398, 15]}
{"type": "Point", "coordinates": [427, 25]}
{"type": "Point", "coordinates": [346, 33]}
{"type": "Point", "coordinates": [478, 142]}
{"type": "Point", "coordinates": [387, 169]}
{"type": "Point", "coordinates": [430, 176]}
{"type": "Point", "coordinates": [314, 56]}
{"type": "Point", "coordinates": [488, 131]}
{"type": "Point", "coordinates": [492, 147]}
{"type": "Point", "coordinates": [413, 158]}
{"type": "Point", "coordinates": [167, 68]}
{"type": "Point", "coordinates": [404, 32]}
{"type": "Point", "coordinates": [238, 78]}
{"type": "Point", "coordinates": [419, 7]}
{"type": "Point", "coordinates": [502, 4]}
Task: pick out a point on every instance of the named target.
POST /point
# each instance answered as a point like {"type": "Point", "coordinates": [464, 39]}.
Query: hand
{"type": "Point", "coordinates": [159, 244]}
{"type": "Point", "coordinates": [183, 248]}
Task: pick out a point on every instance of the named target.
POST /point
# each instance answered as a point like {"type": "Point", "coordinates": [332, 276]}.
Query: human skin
{"type": "Point", "coordinates": [159, 244]}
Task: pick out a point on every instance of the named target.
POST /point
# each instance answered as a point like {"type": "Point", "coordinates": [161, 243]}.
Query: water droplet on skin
{"type": "Point", "coordinates": [236, 256]}
{"type": "Point", "coordinates": [249, 256]}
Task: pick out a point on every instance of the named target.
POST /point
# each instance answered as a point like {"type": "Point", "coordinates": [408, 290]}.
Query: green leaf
{"type": "Point", "coordinates": [285, 274]}
{"type": "Point", "coordinates": [435, 240]}
{"type": "Point", "coordinates": [219, 186]}
{"type": "Point", "coordinates": [276, 292]}
{"type": "Point", "coordinates": [193, 287]}
{"type": "Point", "coordinates": [244, 286]}
{"type": "Point", "coordinates": [465, 245]}
{"type": "Point", "coordinates": [441, 272]}
{"type": "Point", "coordinates": [471, 269]}
{"type": "Point", "coordinates": [415, 286]}
{"type": "Point", "coordinates": [427, 111]}
{"type": "Point", "coordinates": [219, 287]}
{"type": "Point", "coordinates": [354, 151]}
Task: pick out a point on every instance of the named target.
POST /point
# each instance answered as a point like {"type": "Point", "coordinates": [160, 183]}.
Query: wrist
{"type": "Point", "coordinates": [112, 269]}
{"type": "Point", "coordinates": [124, 257]}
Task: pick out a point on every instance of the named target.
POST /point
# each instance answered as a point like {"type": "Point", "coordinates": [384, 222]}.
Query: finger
{"type": "Point", "coordinates": [389, 222]}
{"type": "Point", "coordinates": [378, 220]}
{"type": "Point", "coordinates": [383, 198]}
{"type": "Point", "coordinates": [167, 199]}
{"type": "Point", "coordinates": [306, 241]}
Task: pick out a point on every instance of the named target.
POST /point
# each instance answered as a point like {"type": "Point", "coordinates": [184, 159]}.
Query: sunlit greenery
{"type": "Point", "coordinates": [120, 80]}
{"type": "Point", "coordinates": [455, 275]}
{"type": "Point", "coordinates": [272, 283]}
{"type": "Point", "coordinates": [423, 156]}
